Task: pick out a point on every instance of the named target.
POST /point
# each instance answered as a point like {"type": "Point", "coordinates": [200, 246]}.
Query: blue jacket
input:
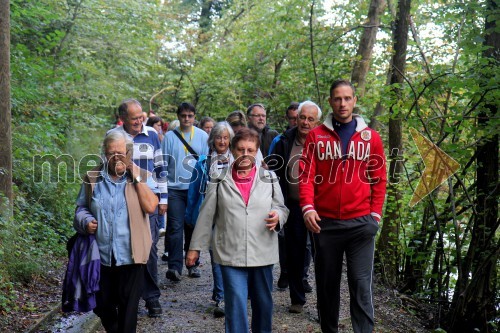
{"type": "Point", "coordinates": [81, 281]}
{"type": "Point", "coordinates": [197, 189]}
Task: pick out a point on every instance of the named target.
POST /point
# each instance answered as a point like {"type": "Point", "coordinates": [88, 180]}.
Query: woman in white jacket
{"type": "Point", "coordinates": [246, 207]}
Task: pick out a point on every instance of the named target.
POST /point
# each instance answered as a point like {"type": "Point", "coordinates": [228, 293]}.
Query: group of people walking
{"type": "Point", "coordinates": [231, 188]}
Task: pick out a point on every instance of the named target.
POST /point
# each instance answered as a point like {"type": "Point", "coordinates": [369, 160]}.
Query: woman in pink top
{"type": "Point", "coordinates": [245, 206]}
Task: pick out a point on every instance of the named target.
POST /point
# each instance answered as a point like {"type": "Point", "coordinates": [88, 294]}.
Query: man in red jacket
{"type": "Point", "coordinates": [342, 192]}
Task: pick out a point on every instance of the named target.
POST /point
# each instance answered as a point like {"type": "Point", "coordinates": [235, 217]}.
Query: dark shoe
{"type": "Point", "coordinates": [307, 286]}
{"type": "Point", "coordinates": [194, 272]}
{"type": "Point", "coordinates": [295, 308]}
{"type": "Point", "coordinates": [173, 275]}
{"type": "Point", "coordinates": [164, 257]}
{"type": "Point", "coordinates": [219, 311]}
{"type": "Point", "coordinates": [283, 281]}
{"type": "Point", "coordinates": [154, 308]}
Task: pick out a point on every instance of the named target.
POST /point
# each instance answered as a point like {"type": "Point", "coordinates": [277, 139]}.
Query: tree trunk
{"type": "Point", "coordinates": [387, 248]}
{"type": "Point", "coordinates": [311, 43]}
{"type": "Point", "coordinates": [205, 21]}
{"type": "Point", "coordinates": [474, 305]}
{"type": "Point", "coordinates": [365, 49]}
{"type": "Point", "coordinates": [5, 117]}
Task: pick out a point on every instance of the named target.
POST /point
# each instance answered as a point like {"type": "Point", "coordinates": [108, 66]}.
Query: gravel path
{"type": "Point", "coordinates": [187, 307]}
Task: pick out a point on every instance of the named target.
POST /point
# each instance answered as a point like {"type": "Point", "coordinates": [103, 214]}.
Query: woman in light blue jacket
{"type": "Point", "coordinates": [245, 208]}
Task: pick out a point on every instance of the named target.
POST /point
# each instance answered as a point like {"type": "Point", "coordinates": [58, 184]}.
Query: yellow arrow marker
{"type": "Point", "coordinates": [438, 167]}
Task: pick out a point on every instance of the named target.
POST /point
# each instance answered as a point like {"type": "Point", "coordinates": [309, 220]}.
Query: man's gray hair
{"type": "Point", "coordinates": [309, 103]}
{"type": "Point", "coordinates": [218, 130]}
{"type": "Point", "coordinates": [115, 135]}
{"type": "Point", "coordinates": [123, 107]}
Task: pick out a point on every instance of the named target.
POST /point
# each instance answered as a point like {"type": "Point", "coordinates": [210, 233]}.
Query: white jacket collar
{"type": "Point", "coordinates": [360, 122]}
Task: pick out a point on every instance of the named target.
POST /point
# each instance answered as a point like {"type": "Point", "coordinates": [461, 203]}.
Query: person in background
{"type": "Point", "coordinates": [239, 218]}
{"type": "Point", "coordinates": [147, 155]}
{"type": "Point", "coordinates": [180, 158]}
{"type": "Point", "coordinates": [237, 120]}
{"type": "Point", "coordinates": [165, 126]}
{"type": "Point", "coordinates": [157, 123]}
{"type": "Point", "coordinates": [257, 120]}
{"type": "Point", "coordinates": [206, 124]}
{"type": "Point", "coordinates": [173, 125]}
{"type": "Point", "coordinates": [208, 167]}
{"type": "Point", "coordinates": [343, 207]}
{"type": "Point", "coordinates": [291, 118]}
{"type": "Point", "coordinates": [285, 162]}
{"type": "Point", "coordinates": [114, 203]}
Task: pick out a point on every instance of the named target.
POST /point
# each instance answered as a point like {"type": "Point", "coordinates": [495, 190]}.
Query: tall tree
{"type": "Point", "coordinates": [5, 116]}
{"type": "Point", "coordinates": [475, 302]}
{"type": "Point", "coordinates": [388, 254]}
{"type": "Point", "coordinates": [365, 49]}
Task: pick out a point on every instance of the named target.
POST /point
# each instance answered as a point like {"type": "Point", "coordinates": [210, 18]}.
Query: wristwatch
{"type": "Point", "coordinates": [137, 179]}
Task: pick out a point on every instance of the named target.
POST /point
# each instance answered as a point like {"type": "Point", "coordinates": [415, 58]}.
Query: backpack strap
{"type": "Point", "coordinates": [266, 176]}
{"type": "Point", "coordinates": [184, 142]}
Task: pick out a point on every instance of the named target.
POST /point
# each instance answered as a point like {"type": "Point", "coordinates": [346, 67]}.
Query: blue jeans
{"type": "Point", "coordinates": [238, 283]}
{"type": "Point", "coordinates": [218, 290]}
{"type": "Point", "coordinates": [161, 221]}
{"type": "Point", "coordinates": [151, 290]}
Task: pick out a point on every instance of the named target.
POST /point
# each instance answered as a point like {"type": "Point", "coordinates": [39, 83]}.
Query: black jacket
{"type": "Point", "coordinates": [278, 161]}
{"type": "Point", "coordinates": [266, 138]}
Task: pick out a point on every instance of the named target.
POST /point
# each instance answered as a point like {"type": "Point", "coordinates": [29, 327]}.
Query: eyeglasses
{"type": "Point", "coordinates": [113, 154]}
{"type": "Point", "coordinates": [258, 115]}
{"type": "Point", "coordinates": [186, 116]}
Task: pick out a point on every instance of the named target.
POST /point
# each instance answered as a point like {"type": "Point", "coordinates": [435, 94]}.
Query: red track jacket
{"type": "Point", "coordinates": [337, 188]}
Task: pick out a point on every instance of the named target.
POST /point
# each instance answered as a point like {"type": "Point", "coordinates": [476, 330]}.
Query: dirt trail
{"type": "Point", "coordinates": [187, 308]}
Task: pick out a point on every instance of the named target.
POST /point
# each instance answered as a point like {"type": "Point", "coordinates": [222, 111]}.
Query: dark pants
{"type": "Point", "coordinates": [176, 228]}
{"type": "Point", "coordinates": [282, 252]}
{"type": "Point", "coordinates": [151, 290]}
{"type": "Point", "coordinates": [118, 297]}
{"type": "Point", "coordinates": [296, 253]}
{"type": "Point", "coordinates": [355, 238]}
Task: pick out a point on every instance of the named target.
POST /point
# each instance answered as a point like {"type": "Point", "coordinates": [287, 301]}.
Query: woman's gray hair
{"type": "Point", "coordinates": [309, 103]}
{"type": "Point", "coordinates": [112, 136]}
{"type": "Point", "coordinates": [218, 130]}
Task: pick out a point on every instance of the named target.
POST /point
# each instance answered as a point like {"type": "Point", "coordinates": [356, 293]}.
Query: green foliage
{"type": "Point", "coordinates": [72, 62]}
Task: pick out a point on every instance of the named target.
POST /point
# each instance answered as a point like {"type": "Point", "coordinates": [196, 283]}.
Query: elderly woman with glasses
{"type": "Point", "coordinates": [114, 203]}
{"type": "Point", "coordinates": [208, 167]}
{"type": "Point", "coordinates": [239, 219]}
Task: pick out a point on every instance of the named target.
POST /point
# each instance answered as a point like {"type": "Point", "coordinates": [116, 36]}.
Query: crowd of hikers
{"type": "Point", "coordinates": [247, 194]}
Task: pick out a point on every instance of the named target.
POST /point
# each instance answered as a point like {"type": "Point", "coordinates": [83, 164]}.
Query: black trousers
{"type": "Point", "coordinates": [297, 255]}
{"type": "Point", "coordinates": [118, 297]}
{"type": "Point", "coordinates": [355, 238]}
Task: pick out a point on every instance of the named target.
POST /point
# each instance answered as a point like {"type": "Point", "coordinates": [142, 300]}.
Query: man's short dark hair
{"type": "Point", "coordinates": [123, 107]}
{"type": "Point", "coordinates": [186, 107]}
{"type": "Point", "coordinates": [292, 107]}
{"type": "Point", "coordinates": [250, 108]}
{"type": "Point", "coordinates": [338, 83]}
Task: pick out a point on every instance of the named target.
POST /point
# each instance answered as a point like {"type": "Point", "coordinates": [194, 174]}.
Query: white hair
{"type": "Point", "coordinates": [115, 135]}
{"type": "Point", "coordinates": [309, 103]}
